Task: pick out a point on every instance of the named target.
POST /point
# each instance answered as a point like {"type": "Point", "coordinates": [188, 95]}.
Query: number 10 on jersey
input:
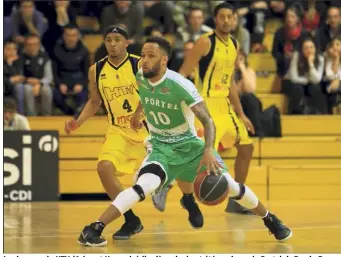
{"type": "Point", "coordinates": [160, 117]}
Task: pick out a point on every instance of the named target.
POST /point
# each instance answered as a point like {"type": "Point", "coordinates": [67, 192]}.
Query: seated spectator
{"type": "Point", "coordinates": [311, 18]}
{"type": "Point", "coordinates": [332, 78]}
{"type": "Point", "coordinates": [129, 14]}
{"type": "Point", "coordinates": [193, 30]}
{"type": "Point", "coordinates": [27, 20]}
{"type": "Point", "coordinates": [182, 8]}
{"type": "Point", "coordinates": [287, 40]}
{"type": "Point", "coordinates": [13, 120]}
{"type": "Point", "coordinates": [277, 8]}
{"type": "Point", "coordinates": [304, 79]}
{"type": "Point", "coordinates": [330, 30]}
{"type": "Point", "coordinates": [39, 77]}
{"type": "Point", "coordinates": [245, 80]}
{"type": "Point", "coordinates": [13, 75]}
{"type": "Point", "coordinates": [241, 34]}
{"type": "Point", "coordinates": [58, 14]}
{"type": "Point", "coordinates": [161, 14]}
{"type": "Point", "coordinates": [70, 68]}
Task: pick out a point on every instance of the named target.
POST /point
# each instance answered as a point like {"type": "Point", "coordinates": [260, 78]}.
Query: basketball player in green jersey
{"type": "Point", "coordinates": [170, 103]}
{"type": "Point", "coordinates": [213, 60]}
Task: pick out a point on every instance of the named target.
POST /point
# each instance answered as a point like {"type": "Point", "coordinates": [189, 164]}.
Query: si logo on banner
{"type": "Point", "coordinates": [31, 166]}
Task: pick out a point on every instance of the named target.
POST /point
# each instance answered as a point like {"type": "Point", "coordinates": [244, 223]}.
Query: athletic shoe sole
{"type": "Point", "coordinates": [138, 230]}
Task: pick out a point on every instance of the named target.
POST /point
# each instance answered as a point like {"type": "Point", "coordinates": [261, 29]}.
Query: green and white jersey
{"type": "Point", "coordinates": [166, 104]}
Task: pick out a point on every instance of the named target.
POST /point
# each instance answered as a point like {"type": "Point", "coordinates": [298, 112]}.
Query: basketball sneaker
{"type": "Point", "coordinates": [128, 229]}
{"type": "Point", "coordinates": [277, 228]}
{"type": "Point", "coordinates": [159, 199]}
{"type": "Point", "coordinates": [195, 217]}
{"type": "Point", "coordinates": [234, 207]}
{"type": "Point", "coordinates": [91, 235]}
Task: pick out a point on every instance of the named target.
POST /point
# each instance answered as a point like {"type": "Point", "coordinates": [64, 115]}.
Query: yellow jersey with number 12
{"type": "Point", "coordinates": [214, 72]}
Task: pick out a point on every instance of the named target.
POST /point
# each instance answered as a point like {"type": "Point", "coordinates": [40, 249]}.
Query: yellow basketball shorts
{"type": "Point", "coordinates": [125, 148]}
{"type": "Point", "coordinates": [230, 130]}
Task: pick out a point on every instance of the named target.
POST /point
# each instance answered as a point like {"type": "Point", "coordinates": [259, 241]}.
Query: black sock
{"type": "Point", "coordinates": [130, 215]}
{"type": "Point", "coordinates": [266, 216]}
{"type": "Point", "coordinates": [99, 226]}
{"type": "Point", "coordinates": [188, 196]}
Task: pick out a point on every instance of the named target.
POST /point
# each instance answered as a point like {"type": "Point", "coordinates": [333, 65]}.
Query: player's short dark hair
{"type": "Point", "coordinates": [10, 104]}
{"type": "Point", "coordinates": [163, 44]}
{"type": "Point", "coordinates": [224, 6]}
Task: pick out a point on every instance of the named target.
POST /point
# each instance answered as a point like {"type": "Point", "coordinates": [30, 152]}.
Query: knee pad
{"type": "Point", "coordinates": [153, 169]}
{"type": "Point", "coordinates": [246, 197]}
{"type": "Point", "coordinates": [146, 184]}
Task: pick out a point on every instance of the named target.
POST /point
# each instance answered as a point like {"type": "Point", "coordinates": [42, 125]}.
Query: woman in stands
{"type": "Point", "coordinates": [288, 40]}
{"type": "Point", "coordinates": [304, 79]}
{"type": "Point", "coordinates": [332, 77]}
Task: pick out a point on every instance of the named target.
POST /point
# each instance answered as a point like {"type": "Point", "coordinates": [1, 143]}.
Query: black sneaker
{"type": "Point", "coordinates": [91, 236]}
{"type": "Point", "coordinates": [128, 229]}
{"type": "Point", "coordinates": [277, 228]}
{"type": "Point", "coordinates": [234, 207]}
{"type": "Point", "coordinates": [195, 217]}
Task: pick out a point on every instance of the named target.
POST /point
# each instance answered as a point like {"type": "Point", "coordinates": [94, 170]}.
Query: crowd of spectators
{"type": "Point", "coordinates": [46, 62]}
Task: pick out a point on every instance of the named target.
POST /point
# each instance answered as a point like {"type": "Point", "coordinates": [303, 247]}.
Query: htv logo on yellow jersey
{"type": "Point", "coordinates": [115, 92]}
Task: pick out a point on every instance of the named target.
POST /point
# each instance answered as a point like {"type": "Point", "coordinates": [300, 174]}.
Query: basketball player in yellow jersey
{"type": "Point", "coordinates": [112, 81]}
{"type": "Point", "coordinates": [214, 56]}
{"type": "Point", "coordinates": [213, 59]}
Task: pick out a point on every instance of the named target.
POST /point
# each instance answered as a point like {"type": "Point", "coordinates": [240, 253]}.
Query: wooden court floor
{"type": "Point", "coordinates": [54, 228]}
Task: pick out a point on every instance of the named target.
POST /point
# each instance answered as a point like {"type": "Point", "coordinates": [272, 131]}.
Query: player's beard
{"type": "Point", "coordinates": [154, 71]}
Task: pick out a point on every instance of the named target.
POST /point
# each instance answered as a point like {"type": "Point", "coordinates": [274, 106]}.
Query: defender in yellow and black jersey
{"type": "Point", "coordinates": [112, 82]}
{"type": "Point", "coordinates": [213, 57]}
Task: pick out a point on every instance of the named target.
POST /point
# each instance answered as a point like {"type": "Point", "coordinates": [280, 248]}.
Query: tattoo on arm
{"type": "Point", "coordinates": [201, 112]}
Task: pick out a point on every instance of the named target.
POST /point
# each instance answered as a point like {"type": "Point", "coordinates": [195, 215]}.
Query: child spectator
{"type": "Point", "coordinates": [13, 120]}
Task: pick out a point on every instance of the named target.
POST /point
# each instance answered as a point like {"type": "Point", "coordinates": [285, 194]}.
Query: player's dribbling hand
{"type": "Point", "coordinates": [248, 124]}
{"type": "Point", "coordinates": [71, 125]}
{"type": "Point", "coordinates": [135, 122]}
{"type": "Point", "coordinates": [210, 162]}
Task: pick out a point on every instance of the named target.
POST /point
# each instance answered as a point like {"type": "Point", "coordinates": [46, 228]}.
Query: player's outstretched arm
{"type": "Point", "coordinates": [200, 49]}
{"type": "Point", "coordinates": [201, 112]}
{"type": "Point", "coordinates": [91, 106]}
{"type": "Point", "coordinates": [208, 159]}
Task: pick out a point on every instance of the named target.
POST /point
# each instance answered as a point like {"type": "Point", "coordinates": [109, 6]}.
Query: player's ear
{"type": "Point", "coordinates": [128, 42]}
{"type": "Point", "coordinates": [164, 60]}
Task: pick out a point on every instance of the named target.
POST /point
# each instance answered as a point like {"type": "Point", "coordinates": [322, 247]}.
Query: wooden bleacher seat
{"type": "Point", "coordinates": [87, 23]}
{"type": "Point", "coordinates": [305, 182]}
{"type": "Point", "coordinates": [92, 42]}
{"type": "Point", "coordinates": [272, 25]}
{"type": "Point", "coordinates": [262, 62]}
{"type": "Point", "coordinates": [274, 99]}
{"type": "Point", "coordinates": [268, 41]}
{"type": "Point", "coordinates": [264, 84]}
{"type": "Point", "coordinates": [311, 125]}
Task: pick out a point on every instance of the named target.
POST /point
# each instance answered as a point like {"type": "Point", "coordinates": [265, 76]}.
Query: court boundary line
{"type": "Point", "coordinates": [75, 234]}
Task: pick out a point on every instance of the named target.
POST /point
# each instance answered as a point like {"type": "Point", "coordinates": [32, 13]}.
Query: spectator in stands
{"type": "Point", "coordinates": [245, 81]}
{"type": "Point", "coordinates": [27, 20]}
{"type": "Point", "coordinates": [13, 75]}
{"type": "Point", "coordinates": [39, 77]}
{"type": "Point", "coordinates": [329, 30]}
{"type": "Point", "coordinates": [182, 8]}
{"type": "Point", "coordinates": [13, 120]}
{"type": "Point", "coordinates": [304, 79]}
{"type": "Point", "coordinates": [193, 29]}
{"type": "Point", "coordinates": [160, 14]}
{"type": "Point", "coordinates": [58, 14]}
{"type": "Point", "coordinates": [129, 14]}
{"type": "Point", "coordinates": [241, 34]}
{"type": "Point", "coordinates": [277, 8]}
{"type": "Point", "coordinates": [311, 18]}
{"type": "Point", "coordinates": [332, 78]}
{"type": "Point", "coordinates": [70, 67]}
{"type": "Point", "coordinates": [287, 40]}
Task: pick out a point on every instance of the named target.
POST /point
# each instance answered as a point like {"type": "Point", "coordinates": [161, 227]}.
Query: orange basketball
{"type": "Point", "coordinates": [210, 189]}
